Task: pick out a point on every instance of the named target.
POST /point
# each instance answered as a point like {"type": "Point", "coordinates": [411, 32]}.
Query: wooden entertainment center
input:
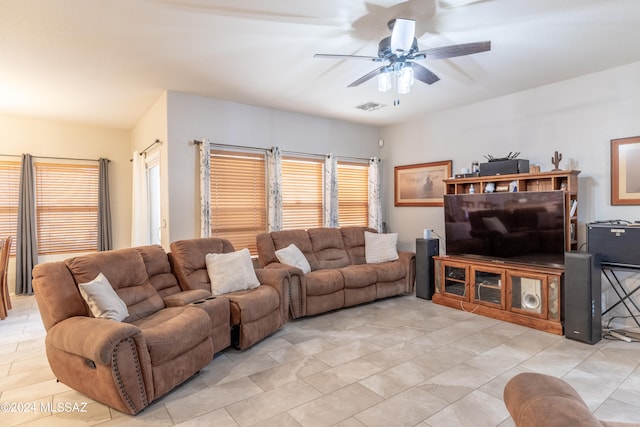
{"type": "Point", "coordinates": [528, 295]}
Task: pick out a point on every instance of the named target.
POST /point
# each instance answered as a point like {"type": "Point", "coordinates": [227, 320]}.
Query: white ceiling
{"type": "Point", "coordinates": [106, 61]}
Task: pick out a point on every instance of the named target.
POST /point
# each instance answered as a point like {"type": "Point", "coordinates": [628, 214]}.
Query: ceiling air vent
{"type": "Point", "coordinates": [370, 106]}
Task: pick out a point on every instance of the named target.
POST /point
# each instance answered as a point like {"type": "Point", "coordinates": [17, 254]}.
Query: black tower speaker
{"type": "Point", "coordinates": [426, 249]}
{"type": "Point", "coordinates": [582, 297]}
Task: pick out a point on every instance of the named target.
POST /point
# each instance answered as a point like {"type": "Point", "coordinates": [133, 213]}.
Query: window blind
{"type": "Point", "coordinates": [66, 207]}
{"type": "Point", "coordinates": [353, 194]}
{"type": "Point", "coordinates": [238, 197]}
{"type": "Point", "coordinates": [9, 194]}
{"type": "Point", "coordinates": [301, 193]}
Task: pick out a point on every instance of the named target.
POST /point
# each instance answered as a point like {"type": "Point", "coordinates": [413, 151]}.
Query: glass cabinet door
{"type": "Point", "coordinates": [488, 286]}
{"type": "Point", "coordinates": [455, 281]}
{"type": "Point", "coordinates": [528, 294]}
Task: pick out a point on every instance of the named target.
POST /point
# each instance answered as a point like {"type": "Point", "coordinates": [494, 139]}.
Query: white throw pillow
{"type": "Point", "coordinates": [102, 300]}
{"type": "Point", "coordinates": [231, 272]}
{"type": "Point", "coordinates": [293, 256]}
{"type": "Point", "coordinates": [380, 247]}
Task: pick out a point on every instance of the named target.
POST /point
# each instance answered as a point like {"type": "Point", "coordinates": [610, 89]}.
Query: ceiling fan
{"type": "Point", "coordinates": [400, 50]}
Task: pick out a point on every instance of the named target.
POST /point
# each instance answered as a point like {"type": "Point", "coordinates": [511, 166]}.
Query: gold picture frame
{"type": "Point", "coordinates": [625, 174]}
{"type": "Point", "coordinates": [421, 184]}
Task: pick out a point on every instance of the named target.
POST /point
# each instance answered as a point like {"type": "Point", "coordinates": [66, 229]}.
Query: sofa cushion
{"type": "Point", "coordinates": [102, 300]}
{"type": "Point", "coordinates": [328, 247]}
{"type": "Point", "coordinates": [172, 331]}
{"type": "Point", "coordinates": [156, 262]}
{"type": "Point", "coordinates": [188, 259]}
{"type": "Point", "coordinates": [354, 243]}
{"type": "Point", "coordinates": [359, 276]}
{"type": "Point", "coordinates": [231, 272]}
{"type": "Point", "coordinates": [323, 282]}
{"type": "Point", "coordinates": [247, 306]}
{"type": "Point", "coordinates": [125, 270]}
{"type": "Point", "coordinates": [300, 238]}
{"type": "Point", "coordinates": [380, 247]}
{"type": "Point", "coordinates": [293, 256]}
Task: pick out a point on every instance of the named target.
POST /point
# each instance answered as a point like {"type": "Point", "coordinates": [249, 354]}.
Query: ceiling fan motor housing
{"type": "Point", "coordinates": [385, 52]}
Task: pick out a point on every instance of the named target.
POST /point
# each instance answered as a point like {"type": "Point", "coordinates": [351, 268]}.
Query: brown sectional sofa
{"type": "Point", "coordinates": [169, 333]}
{"type": "Point", "coordinates": [340, 276]}
{"type": "Point", "coordinates": [173, 326]}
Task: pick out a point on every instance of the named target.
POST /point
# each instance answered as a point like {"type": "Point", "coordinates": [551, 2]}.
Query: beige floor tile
{"type": "Point", "coordinates": [335, 407]}
{"type": "Point", "coordinates": [271, 403]}
{"type": "Point", "coordinates": [397, 379]}
{"type": "Point", "coordinates": [343, 375]}
{"type": "Point", "coordinates": [212, 398]}
{"type": "Point", "coordinates": [404, 409]}
{"type": "Point", "coordinates": [475, 409]}
{"type": "Point", "coordinates": [353, 350]}
{"type": "Point", "coordinates": [218, 418]}
{"type": "Point", "coordinates": [288, 372]}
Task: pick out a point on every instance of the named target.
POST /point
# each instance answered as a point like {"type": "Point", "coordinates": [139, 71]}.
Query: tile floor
{"type": "Point", "coordinates": [397, 362]}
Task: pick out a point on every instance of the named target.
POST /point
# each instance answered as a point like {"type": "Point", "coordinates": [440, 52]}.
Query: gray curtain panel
{"type": "Point", "coordinates": [105, 241]}
{"type": "Point", "coordinates": [26, 234]}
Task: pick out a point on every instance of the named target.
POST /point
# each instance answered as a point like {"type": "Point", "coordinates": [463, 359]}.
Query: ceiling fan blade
{"type": "Point", "coordinates": [332, 56]}
{"type": "Point", "coordinates": [367, 76]}
{"type": "Point", "coordinates": [423, 74]}
{"type": "Point", "coordinates": [454, 50]}
{"type": "Point", "coordinates": [402, 34]}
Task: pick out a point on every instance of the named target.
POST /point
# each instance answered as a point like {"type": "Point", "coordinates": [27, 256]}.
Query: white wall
{"type": "Point", "coordinates": [192, 117]}
{"type": "Point", "coordinates": [576, 117]}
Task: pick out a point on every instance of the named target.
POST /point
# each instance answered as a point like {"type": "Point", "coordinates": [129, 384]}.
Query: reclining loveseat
{"type": "Point", "coordinates": [121, 329]}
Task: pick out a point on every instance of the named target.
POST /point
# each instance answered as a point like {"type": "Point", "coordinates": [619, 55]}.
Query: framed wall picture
{"type": "Point", "coordinates": [421, 184]}
{"type": "Point", "coordinates": [625, 173]}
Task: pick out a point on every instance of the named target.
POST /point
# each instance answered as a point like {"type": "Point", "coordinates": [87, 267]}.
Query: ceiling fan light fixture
{"type": "Point", "coordinates": [405, 79]}
{"type": "Point", "coordinates": [384, 81]}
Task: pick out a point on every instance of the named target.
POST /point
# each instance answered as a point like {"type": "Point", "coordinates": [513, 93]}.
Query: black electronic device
{"type": "Point", "coordinates": [615, 242]}
{"type": "Point", "coordinates": [504, 167]}
{"type": "Point", "coordinates": [525, 227]}
{"type": "Point", "coordinates": [426, 249]}
{"type": "Point", "coordinates": [582, 297]}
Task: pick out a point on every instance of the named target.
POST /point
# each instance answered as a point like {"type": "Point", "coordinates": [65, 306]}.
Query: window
{"type": "Point", "coordinates": [301, 193]}
{"type": "Point", "coordinates": [66, 207]}
{"type": "Point", "coordinates": [238, 197]}
{"type": "Point", "coordinates": [353, 194]}
{"type": "Point", "coordinates": [9, 194]}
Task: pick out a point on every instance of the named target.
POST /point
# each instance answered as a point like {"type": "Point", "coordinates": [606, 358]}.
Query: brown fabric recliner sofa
{"type": "Point", "coordinates": [340, 276]}
{"type": "Point", "coordinates": [169, 335]}
{"type": "Point", "coordinates": [255, 313]}
{"type": "Point", "coordinates": [539, 400]}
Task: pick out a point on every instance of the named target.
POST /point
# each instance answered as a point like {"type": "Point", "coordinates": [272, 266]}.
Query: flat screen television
{"type": "Point", "coordinates": [519, 227]}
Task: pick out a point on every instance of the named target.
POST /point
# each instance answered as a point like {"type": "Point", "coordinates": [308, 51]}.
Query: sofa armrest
{"type": "Point", "coordinates": [106, 360]}
{"type": "Point", "coordinates": [536, 400]}
{"type": "Point", "coordinates": [91, 338]}
{"type": "Point", "coordinates": [408, 260]}
{"type": "Point", "coordinates": [296, 294]}
{"type": "Point", "coordinates": [278, 266]}
{"type": "Point", "coordinates": [280, 279]}
{"type": "Point", "coordinates": [185, 297]}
